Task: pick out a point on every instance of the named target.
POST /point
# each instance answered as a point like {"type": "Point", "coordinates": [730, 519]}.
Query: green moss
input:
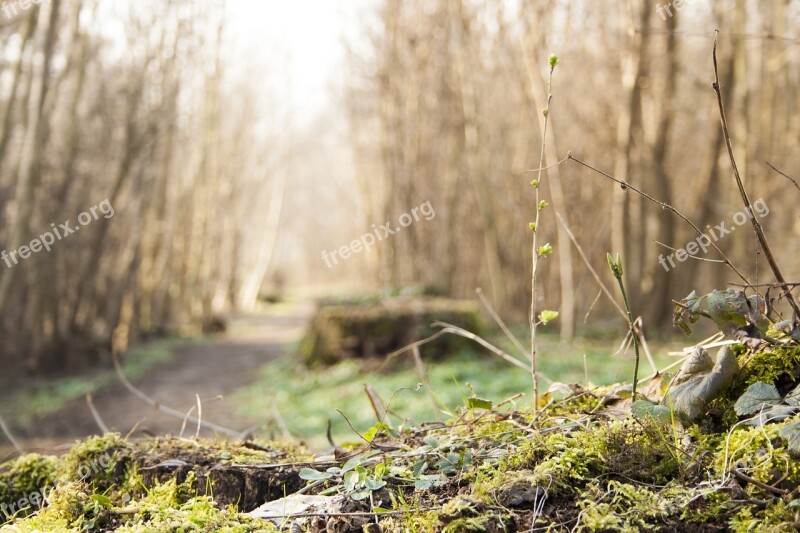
{"type": "Point", "coordinates": [24, 482]}
{"type": "Point", "coordinates": [99, 461]}
{"type": "Point", "coordinates": [776, 365]}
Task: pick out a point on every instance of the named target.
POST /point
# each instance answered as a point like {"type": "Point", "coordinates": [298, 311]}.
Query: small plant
{"type": "Point", "coordinates": [540, 251]}
{"type": "Point", "coordinates": [616, 269]}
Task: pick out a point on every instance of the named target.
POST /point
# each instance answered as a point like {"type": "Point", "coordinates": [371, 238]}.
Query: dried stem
{"type": "Point", "coordinates": [663, 205]}
{"type": "Point", "coordinates": [759, 230]}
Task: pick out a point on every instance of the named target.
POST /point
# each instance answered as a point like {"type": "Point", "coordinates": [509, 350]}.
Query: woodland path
{"type": "Point", "coordinates": [217, 367]}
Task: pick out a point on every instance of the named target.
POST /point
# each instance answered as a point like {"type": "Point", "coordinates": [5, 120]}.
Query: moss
{"type": "Point", "coordinates": [24, 482]}
{"type": "Point", "coordinates": [776, 518]}
{"type": "Point", "coordinates": [779, 365]}
{"type": "Point", "coordinates": [757, 452]}
{"type": "Point", "coordinates": [99, 461]}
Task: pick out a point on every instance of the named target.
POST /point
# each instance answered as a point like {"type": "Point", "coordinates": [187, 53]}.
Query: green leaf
{"type": "Point", "coordinates": [642, 409]}
{"type": "Point", "coordinates": [793, 398]}
{"type": "Point", "coordinates": [791, 432]}
{"type": "Point", "coordinates": [310, 474]}
{"type": "Point", "coordinates": [351, 480]}
{"type": "Point", "coordinates": [103, 501]}
{"type": "Point", "coordinates": [479, 403]}
{"type": "Point", "coordinates": [535, 183]}
{"type": "Point", "coordinates": [532, 226]}
{"type": "Point", "coordinates": [776, 413]}
{"type": "Point", "coordinates": [360, 495]}
{"type": "Point", "coordinates": [757, 397]}
{"type": "Point", "coordinates": [374, 484]}
{"type": "Point", "coordinates": [542, 204]}
{"type": "Point", "coordinates": [547, 315]}
{"type": "Point", "coordinates": [352, 463]}
{"type": "Point", "coordinates": [545, 250]}
{"type": "Point", "coordinates": [553, 60]}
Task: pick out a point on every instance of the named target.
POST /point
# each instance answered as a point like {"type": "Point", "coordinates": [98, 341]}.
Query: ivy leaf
{"type": "Point", "coordinates": [642, 409]}
{"type": "Point", "coordinates": [757, 396]}
{"type": "Point", "coordinates": [793, 398]}
{"type": "Point", "coordinates": [791, 432]}
{"type": "Point", "coordinates": [310, 474]}
{"type": "Point", "coordinates": [776, 413]}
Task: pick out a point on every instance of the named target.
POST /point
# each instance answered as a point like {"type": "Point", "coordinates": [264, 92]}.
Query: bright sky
{"type": "Point", "coordinates": [301, 39]}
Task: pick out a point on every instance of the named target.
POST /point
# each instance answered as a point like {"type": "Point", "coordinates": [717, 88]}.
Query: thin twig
{"type": "Point", "coordinates": [199, 416]}
{"type": "Point", "coordinates": [663, 205]}
{"type": "Point", "coordinates": [759, 230]}
{"type": "Point", "coordinates": [744, 477]}
{"type": "Point", "coordinates": [589, 266]}
{"type": "Point", "coordinates": [423, 375]}
{"type": "Point", "coordinates": [95, 414]}
{"type": "Point", "coordinates": [503, 327]}
{"type": "Point", "coordinates": [547, 167]}
{"type": "Point", "coordinates": [9, 435]}
{"type": "Point", "coordinates": [688, 254]}
{"type": "Point", "coordinates": [788, 177]}
{"type": "Point", "coordinates": [534, 250]}
{"type": "Point", "coordinates": [276, 416]}
{"type": "Point", "coordinates": [165, 409]}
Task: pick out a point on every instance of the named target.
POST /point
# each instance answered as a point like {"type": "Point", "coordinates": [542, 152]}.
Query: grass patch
{"type": "Point", "coordinates": [307, 398]}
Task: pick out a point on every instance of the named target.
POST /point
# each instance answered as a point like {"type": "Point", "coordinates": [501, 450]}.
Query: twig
{"type": "Point", "coordinates": [759, 230]}
{"type": "Point", "coordinates": [8, 435]}
{"type": "Point", "coordinates": [199, 416]}
{"type": "Point", "coordinates": [688, 254]}
{"type": "Point", "coordinates": [375, 402]}
{"type": "Point", "coordinates": [744, 477]}
{"type": "Point", "coordinates": [589, 266]}
{"type": "Point", "coordinates": [784, 175]}
{"type": "Point", "coordinates": [663, 205]}
{"type": "Point", "coordinates": [503, 327]}
{"type": "Point", "coordinates": [276, 415]}
{"type": "Point", "coordinates": [553, 61]}
{"type": "Point", "coordinates": [547, 167]}
{"type": "Point", "coordinates": [423, 375]}
{"type": "Point", "coordinates": [163, 408]}
{"type": "Point", "coordinates": [95, 414]}
{"type": "Point", "coordinates": [455, 330]}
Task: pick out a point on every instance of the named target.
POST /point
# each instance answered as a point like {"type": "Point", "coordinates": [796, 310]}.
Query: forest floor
{"type": "Point", "coordinates": [216, 367]}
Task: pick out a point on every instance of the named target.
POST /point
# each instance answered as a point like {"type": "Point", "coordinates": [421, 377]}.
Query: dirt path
{"type": "Point", "coordinates": [218, 367]}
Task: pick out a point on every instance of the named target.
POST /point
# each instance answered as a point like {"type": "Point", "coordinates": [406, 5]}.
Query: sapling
{"type": "Point", "coordinates": [616, 270]}
{"type": "Point", "coordinates": [540, 251]}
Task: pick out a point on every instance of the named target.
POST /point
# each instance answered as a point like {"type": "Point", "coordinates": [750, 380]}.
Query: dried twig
{"type": "Point", "coordinates": [423, 375]}
{"type": "Point", "coordinates": [757, 228]}
{"type": "Point", "coordinates": [788, 177]}
{"type": "Point", "coordinates": [165, 409]}
{"type": "Point", "coordinates": [591, 269]}
{"type": "Point", "coordinates": [276, 416]}
{"type": "Point", "coordinates": [663, 205]}
{"type": "Point", "coordinates": [95, 414]}
{"type": "Point", "coordinates": [503, 327]}
{"type": "Point", "coordinates": [8, 435]}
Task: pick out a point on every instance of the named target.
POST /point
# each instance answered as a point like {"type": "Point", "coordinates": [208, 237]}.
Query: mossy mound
{"type": "Point", "coordinates": [373, 328]}
{"type": "Point", "coordinates": [583, 463]}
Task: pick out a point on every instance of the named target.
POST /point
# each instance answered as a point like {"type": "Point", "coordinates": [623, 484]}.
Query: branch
{"type": "Point", "coordinates": [663, 205]}
{"type": "Point", "coordinates": [167, 410]}
{"type": "Point", "coordinates": [759, 231]}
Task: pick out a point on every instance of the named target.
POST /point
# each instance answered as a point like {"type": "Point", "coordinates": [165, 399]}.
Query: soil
{"type": "Point", "coordinates": [217, 367]}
